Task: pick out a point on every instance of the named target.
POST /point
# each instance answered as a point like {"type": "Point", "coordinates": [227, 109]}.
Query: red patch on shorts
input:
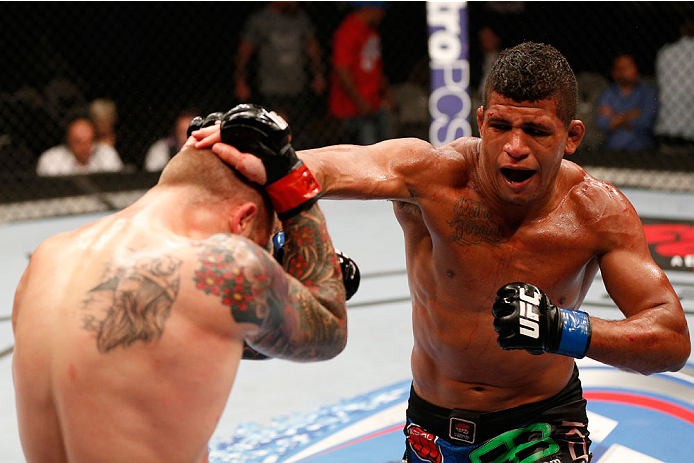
{"type": "Point", "coordinates": [423, 444]}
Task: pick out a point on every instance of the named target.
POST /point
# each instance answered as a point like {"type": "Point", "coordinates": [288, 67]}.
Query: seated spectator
{"type": "Point", "coordinates": [104, 116]}
{"type": "Point", "coordinates": [164, 149]}
{"type": "Point", "coordinates": [627, 108]}
{"type": "Point", "coordinates": [80, 154]}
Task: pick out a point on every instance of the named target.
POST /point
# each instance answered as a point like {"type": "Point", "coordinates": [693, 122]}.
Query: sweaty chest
{"type": "Point", "coordinates": [468, 253]}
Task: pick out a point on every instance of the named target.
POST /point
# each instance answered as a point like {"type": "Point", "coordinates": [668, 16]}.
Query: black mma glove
{"type": "Point", "coordinates": [525, 318]}
{"type": "Point", "coordinates": [195, 124]}
{"type": "Point", "coordinates": [199, 122]}
{"type": "Point", "coordinates": [253, 129]}
{"type": "Point", "coordinates": [350, 272]}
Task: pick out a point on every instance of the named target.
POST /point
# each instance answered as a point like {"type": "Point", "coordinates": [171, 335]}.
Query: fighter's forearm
{"type": "Point", "coordinates": [653, 341]}
{"type": "Point", "coordinates": [325, 162]}
{"type": "Point", "coordinates": [310, 258]}
{"type": "Point", "coordinates": [365, 172]}
{"type": "Point", "coordinates": [314, 325]}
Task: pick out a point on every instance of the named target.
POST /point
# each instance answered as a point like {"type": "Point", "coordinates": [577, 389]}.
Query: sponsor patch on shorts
{"type": "Point", "coordinates": [462, 430]}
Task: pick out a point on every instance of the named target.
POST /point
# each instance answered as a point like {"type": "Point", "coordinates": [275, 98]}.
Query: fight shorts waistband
{"type": "Point", "coordinates": [464, 427]}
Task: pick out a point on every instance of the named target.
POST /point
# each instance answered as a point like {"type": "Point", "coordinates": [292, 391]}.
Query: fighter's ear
{"type": "Point", "coordinates": [574, 136]}
{"type": "Point", "coordinates": [241, 219]}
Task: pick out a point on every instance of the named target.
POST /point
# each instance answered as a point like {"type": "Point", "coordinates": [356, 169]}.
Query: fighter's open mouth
{"type": "Point", "coordinates": [517, 175]}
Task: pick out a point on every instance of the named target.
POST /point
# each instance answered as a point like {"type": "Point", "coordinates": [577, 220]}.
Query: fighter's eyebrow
{"type": "Point", "coordinates": [497, 119]}
{"type": "Point", "coordinates": [530, 125]}
{"type": "Point", "coordinates": [538, 126]}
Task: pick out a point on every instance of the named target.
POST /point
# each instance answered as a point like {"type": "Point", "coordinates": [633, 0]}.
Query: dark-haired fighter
{"type": "Point", "coordinates": [129, 330]}
{"type": "Point", "coordinates": [481, 214]}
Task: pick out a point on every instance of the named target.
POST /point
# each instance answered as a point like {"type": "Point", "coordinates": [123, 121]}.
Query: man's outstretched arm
{"type": "Point", "coordinates": [392, 169]}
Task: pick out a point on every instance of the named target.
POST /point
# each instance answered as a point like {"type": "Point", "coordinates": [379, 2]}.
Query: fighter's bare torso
{"type": "Point", "coordinates": [459, 253]}
{"type": "Point", "coordinates": [167, 376]}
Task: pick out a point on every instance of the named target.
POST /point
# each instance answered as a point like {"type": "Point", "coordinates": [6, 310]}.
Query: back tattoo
{"type": "Point", "coordinates": [132, 303]}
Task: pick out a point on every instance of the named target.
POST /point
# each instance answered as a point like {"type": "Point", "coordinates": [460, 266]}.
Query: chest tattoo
{"type": "Point", "coordinates": [472, 223]}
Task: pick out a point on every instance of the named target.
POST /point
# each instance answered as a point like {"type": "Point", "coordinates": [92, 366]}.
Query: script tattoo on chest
{"type": "Point", "coordinates": [475, 224]}
{"type": "Point", "coordinates": [132, 303]}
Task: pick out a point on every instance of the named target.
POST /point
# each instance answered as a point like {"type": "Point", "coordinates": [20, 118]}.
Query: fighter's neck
{"type": "Point", "coordinates": [513, 214]}
{"type": "Point", "coordinates": [170, 209]}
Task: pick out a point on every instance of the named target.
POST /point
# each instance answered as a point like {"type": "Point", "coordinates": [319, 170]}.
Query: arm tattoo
{"type": "Point", "coordinates": [132, 303]}
{"type": "Point", "coordinates": [310, 257]}
{"type": "Point", "coordinates": [226, 272]}
{"type": "Point", "coordinates": [319, 300]}
{"type": "Point", "coordinates": [301, 320]}
{"type": "Point", "coordinates": [474, 224]}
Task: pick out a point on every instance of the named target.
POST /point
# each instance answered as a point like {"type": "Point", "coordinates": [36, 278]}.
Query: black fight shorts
{"type": "Point", "coordinates": [554, 430]}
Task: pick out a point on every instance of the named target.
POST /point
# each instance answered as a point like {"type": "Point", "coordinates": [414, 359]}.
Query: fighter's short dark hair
{"type": "Point", "coordinates": [532, 72]}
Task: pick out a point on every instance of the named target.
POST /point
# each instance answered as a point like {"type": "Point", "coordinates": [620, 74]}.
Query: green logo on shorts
{"type": "Point", "coordinates": [524, 445]}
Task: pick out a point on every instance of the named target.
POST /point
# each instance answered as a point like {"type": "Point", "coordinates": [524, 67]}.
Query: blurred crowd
{"type": "Point", "coordinates": [342, 86]}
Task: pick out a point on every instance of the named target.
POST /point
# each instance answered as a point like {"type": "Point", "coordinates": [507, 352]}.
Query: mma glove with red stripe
{"type": "Point", "coordinates": [253, 129]}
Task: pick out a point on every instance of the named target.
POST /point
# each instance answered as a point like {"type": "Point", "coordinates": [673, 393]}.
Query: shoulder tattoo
{"type": "Point", "coordinates": [225, 272]}
{"type": "Point", "coordinates": [472, 223]}
{"type": "Point", "coordinates": [132, 303]}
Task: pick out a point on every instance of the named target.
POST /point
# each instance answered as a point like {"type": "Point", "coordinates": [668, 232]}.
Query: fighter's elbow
{"type": "Point", "coordinates": [682, 355]}
{"type": "Point", "coordinates": [335, 346]}
{"type": "Point", "coordinates": [681, 346]}
{"type": "Point", "coordinates": [673, 358]}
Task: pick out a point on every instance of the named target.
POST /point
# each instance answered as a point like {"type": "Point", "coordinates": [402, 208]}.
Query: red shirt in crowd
{"type": "Point", "coordinates": [356, 48]}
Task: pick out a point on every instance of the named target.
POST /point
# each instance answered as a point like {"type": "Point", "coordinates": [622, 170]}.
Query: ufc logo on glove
{"type": "Point", "coordinates": [525, 318]}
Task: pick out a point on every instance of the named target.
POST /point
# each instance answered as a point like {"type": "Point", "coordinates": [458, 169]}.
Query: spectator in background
{"type": "Point", "coordinates": [359, 93]}
{"type": "Point", "coordinates": [490, 46]}
{"type": "Point", "coordinates": [675, 77]}
{"type": "Point", "coordinates": [104, 116]}
{"type": "Point", "coordinates": [283, 36]}
{"type": "Point", "coordinates": [627, 108]}
{"type": "Point", "coordinates": [489, 49]}
{"type": "Point", "coordinates": [164, 149]}
{"type": "Point", "coordinates": [81, 153]}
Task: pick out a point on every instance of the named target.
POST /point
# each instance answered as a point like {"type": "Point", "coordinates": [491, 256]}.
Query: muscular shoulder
{"type": "Point", "coordinates": [225, 251]}
{"type": "Point", "coordinates": [601, 207]}
{"type": "Point", "coordinates": [429, 167]}
{"type": "Point", "coordinates": [240, 274]}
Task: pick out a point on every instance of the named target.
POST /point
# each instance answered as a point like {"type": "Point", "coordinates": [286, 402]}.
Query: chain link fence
{"type": "Point", "coordinates": [159, 62]}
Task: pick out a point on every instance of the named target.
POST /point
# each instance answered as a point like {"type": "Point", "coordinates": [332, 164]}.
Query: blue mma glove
{"type": "Point", "coordinates": [525, 318]}
{"type": "Point", "coordinates": [278, 246]}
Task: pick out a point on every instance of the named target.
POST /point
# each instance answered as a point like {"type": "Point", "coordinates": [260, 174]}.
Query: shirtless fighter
{"type": "Point", "coordinates": [480, 216]}
{"type": "Point", "coordinates": [129, 330]}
